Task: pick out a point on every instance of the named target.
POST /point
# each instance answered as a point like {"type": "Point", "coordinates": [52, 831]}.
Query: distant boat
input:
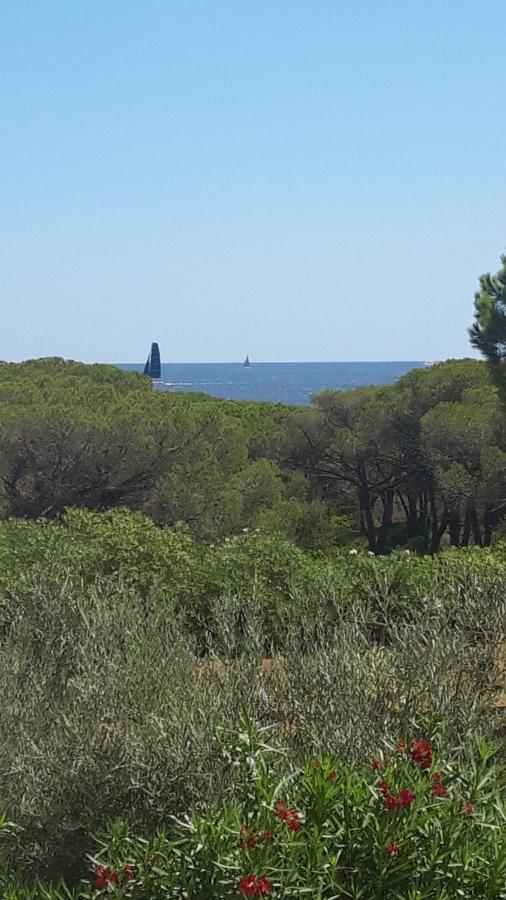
{"type": "Point", "coordinates": [152, 368]}
{"type": "Point", "coordinates": [246, 364]}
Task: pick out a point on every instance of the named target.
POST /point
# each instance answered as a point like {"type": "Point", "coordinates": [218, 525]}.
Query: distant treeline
{"type": "Point", "coordinates": [408, 465]}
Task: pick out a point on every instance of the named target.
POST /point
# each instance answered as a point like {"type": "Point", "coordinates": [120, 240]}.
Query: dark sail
{"type": "Point", "coordinates": [152, 368]}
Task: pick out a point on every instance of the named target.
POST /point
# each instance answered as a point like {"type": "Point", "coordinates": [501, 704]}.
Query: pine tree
{"type": "Point", "coordinates": [488, 333]}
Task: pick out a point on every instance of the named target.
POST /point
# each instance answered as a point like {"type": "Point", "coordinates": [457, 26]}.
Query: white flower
{"type": "Point", "coordinates": [353, 551]}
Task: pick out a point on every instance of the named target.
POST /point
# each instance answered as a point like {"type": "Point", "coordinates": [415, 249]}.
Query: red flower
{"type": "Point", "coordinates": [436, 777]}
{"type": "Point", "coordinates": [405, 799]}
{"type": "Point", "coordinates": [421, 753]}
{"type": "Point", "coordinates": [247, 885]}
{"type": "Point", "coordinates": [383, 786]}
{"type": "Point", "coordinates": [251, 886]}
{"type": "Point", "coordinates": [331, 776]}
{"type": "Point", "coordinates": [286, 814]}
{"type": "Point", "coordinates": [290, 816]}
{"type": "Point", "coordinates": [376, 764]}
{"type": "Point", "coordinates": [402, 801]}
{"type": "Point", "coordinates": [439, 791]}
{"type": "Point", "coordinates": [468, 809]}
{"type": "Point", "coordinates": [105, 877]}
{"type": "Point", "coordinates": [400, 746]}
{"type": "Point", "coordinates": [266, 836]}
{"type": "Point", "coordinates": [127, 872]}
{"type": "Point", "coordinates": [249, 840]}
{"type": "Point", "coordinates": [392, 848]}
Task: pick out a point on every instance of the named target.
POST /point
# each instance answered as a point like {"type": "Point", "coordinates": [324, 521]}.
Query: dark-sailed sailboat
{"type": "Point", "coordinates": [152, 368]}
{"type": "Point", "coordinates": [246, 364]}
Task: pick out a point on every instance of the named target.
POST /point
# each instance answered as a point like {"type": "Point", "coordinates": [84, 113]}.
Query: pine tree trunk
{"type": "Point", "coordinates": [454, 523]}
{"type": "Point", "coordinates": [475, 527]}
{"type": "Point", "coordinates": [366, 507]}
{"type": "Point", "coordinates": [435, 536]}
{"type": "Point", "coordinates": [487, 527]}
{"type": "Point", "coordinates": [387, 499]}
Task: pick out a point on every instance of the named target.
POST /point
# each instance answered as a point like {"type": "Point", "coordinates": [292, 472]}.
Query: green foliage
{"type": "Point", "coordinates": [488, 333]}
{"type": "Point", "coordinates": [386, 828]}
{"type": "Point", "coordinates": [127, 652]}
{"type": "Point", "coordinates": [94, 437]}
{"type": "Point", "coordinates": [171, 655]}
{"type": "Point", "coordinates": [255, 566]}
{"type": "Point", "coordinates": [326, 832]}
{"type": "Point", "coordinates": [387, 451]}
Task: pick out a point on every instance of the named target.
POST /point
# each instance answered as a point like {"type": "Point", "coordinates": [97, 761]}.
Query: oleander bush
{"type": "Point", "coordinates": [414, 822]}
{"type": "Point", "coordinates": [411, 823]}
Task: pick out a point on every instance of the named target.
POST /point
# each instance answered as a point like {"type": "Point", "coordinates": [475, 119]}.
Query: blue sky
{"type": "Point", "coordinates": [295, 179]}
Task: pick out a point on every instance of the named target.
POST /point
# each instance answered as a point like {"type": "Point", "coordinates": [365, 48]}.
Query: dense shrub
{"type": "Point", "coordinates": [412, 822]}
{"type": "Point", "coordinates": [120, 692]}
{"type": "Point", "coordinates": [262, 576]}
{"type": "Point", "coordinates": [127, 653]}
{"type": "Point", "coordinates": [407, 824]}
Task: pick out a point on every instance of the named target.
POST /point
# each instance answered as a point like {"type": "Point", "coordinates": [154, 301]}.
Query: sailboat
{"type": "Point", "coordinates": [246, 364]}
{"type": "Point", "coordinates": [152, 368]}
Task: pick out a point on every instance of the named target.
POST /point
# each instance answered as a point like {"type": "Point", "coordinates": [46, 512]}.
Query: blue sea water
{"type": "Point", "coordinates": [293, 383]}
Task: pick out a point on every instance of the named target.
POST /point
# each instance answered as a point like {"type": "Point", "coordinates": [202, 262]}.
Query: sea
{"type": "Point", "coordinates": [277, 382]}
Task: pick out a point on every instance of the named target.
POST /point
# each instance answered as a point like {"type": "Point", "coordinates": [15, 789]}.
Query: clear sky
{"type": "Point", "coordinates": [293, 179]}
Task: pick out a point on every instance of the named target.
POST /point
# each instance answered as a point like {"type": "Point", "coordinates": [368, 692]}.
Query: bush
{"type": "Point", "coordinates": [414, 822]}
{"type": "Point", "coordinates": [127, 652]}
{"type": "Point", "coordinates": [110, 707]}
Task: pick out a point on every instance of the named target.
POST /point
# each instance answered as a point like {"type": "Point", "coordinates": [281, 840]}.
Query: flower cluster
{"type": "Point", "coordinates": [392, 849]}
{"type": "Point", "coordinates": [290, 816]}
{"type": "Point", "coordinates": [421, 753]}
{"type": "Point", "coordinates": [403, 800]}
{"type": "Point", "coordinates": [438, 790]}
{"type": "Point", "coordinates": [249, 840]}
{"type": "Point", "coordinates": [251, 886]}
{"type": "Point", "coordinates": [104, 877]}
{"type": "Point", "coordinates": [107, 876]}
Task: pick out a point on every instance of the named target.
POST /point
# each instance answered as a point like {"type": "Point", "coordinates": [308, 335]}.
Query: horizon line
{"type": "Point", "coordinates": [287, 362]}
